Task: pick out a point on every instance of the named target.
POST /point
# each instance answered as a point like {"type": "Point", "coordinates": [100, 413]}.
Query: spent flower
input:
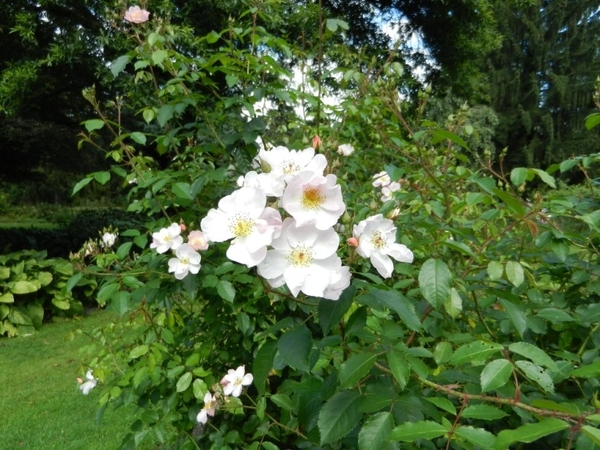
{"type": "Point", "coordinates": [89, 384]}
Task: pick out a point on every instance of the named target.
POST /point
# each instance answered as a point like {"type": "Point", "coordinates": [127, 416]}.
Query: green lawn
{"type": "Point", "coordinates": [41, 406]}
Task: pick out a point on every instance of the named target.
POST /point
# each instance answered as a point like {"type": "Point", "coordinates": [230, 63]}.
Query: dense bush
{"type": "Point", "coordinates": [489, 338]}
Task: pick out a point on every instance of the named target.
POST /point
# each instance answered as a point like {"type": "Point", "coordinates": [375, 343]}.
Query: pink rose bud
{"type": "Point", "coordinates": [352, 242]}
{"type": "Point", "coordinates": [316, 142]}
{"type": "Point", "coordinates": [198, 240]}
{"type": "Point", "coordinates": [182, 226]}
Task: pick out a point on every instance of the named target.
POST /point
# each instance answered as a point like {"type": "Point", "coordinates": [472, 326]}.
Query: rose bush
{"type": "Point", "coordinates": [461, 315]}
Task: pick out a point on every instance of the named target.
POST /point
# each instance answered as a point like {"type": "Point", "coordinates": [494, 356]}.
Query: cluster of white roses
{"type": "Point", "coordinates": [230, 385]}
{"type": "Point", "coordinates": [298, 251]}
{"type": "Point", "coordinates": [186, 257]}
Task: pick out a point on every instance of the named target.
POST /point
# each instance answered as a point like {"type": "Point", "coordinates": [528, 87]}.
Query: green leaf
{"type": "Point", "coordinates": [184, 382]}
{"type": "Point", "coordinates": [555, 315]}
{"type": "Point", "coordinates": [148, 114]}
{"type": "Point", "coordinates": [434, 281]}
{"type": "Point", "coordinates": [399, 367]}
{"type": "Point", "coordinates": [495, 374]}
{"type": "Point", "coordinates": [81, 184]}
{"type": "Point", "coordinates": [537, 355]}
{"type": "Point", "coordinates": [117, 66]}
{"type": "Point", "coordinates": [412, 431]}
{"type": "Point", "coordinates": [339, 415]}
{"type": "Point", "coordinates": [330, 313]}
{"type": "Point", "coordinates": [375, 432]}
{"type": "Point", "coordinates": [453, 305]}
{"type": "Point", "coordinates": [226, 290]}
{"type": "Point", "coordinates": [138, 351]}
{"type": "Point", "coordinates": [537, 374]}
{"type": "Point", "coordinates": [592, 120]}
{"type": "Point", "coordinates": [545, 177]}
{"type": "Point", "coordinates": [441, 134]}
{"type": "Point", "coordinates": [165, 113]}
{"type": "Point", "coordinates": [355, 368]}
{"type": "Point", "coordinates": [475, 352]}
{"type": "Point", "coordinates": [158, 56]}
{"type": "Point", "coordinates": [476, 436]}
{"type": "Point", "coordinates": [589, 371]}
{"type": "Point", "coordinates": [23, 287]}
{"type": "Point", "coordinates": [262, 365]}
{"type": "Point", "coordinates": [138, 137]}
{"type": "Point", "coordinates": [119, 302]}
{"type": "Point", "coordinates": [518, 176]}
{"type": "Point", "coordinates": [93, 124]}
{"type": "Point", "coordinates": [482, 412]}
{"type": "Point", "coordinates": [592, 433]}
{"type": "Point", "coordinates": [283, 401]}
{"type": "Point", "coordinates": [442, 403]}
{"type": "Point", "coordinates": [102, 177]}
{"type": "Point", "coordinates": [516, 316]}
{"type": "Point", "coordinates": [182, 190]}
{"type": "Point", "coordinates": [73, 281]}
{"type": "Point", "coordinates": [401, 305]}
{"type": "Point", "coordinates": [106, 292]}
{"type": "Point", "coordinates": [7, 297]}
{"type": "Point", "coordinates": [495, 270]}
{"type": "Point", "coordinates": [61, 303]}
{"type": "Point", "coordinates": [294, 347]}
{"type": "Point", "coordinates": [530, 432]}
{"type": "Point", "coordinates": [442, 352]}
{"type": "Point", "coordinates": [514, 273]}
{"type": "Point", "coordinates": [513, 203]}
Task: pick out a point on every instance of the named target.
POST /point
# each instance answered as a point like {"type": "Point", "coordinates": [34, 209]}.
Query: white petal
{"type": "Point", "coordinates": [401, 253]}
{"type": "Point", "coordinates": [383, 264]}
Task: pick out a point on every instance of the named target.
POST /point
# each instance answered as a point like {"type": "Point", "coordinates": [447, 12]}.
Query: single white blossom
{"type": "Point", "coordinates": [88, 385]}
{"type": "Point", "coordinates": [235, 380]}
{"type": "Point", "coordinates": [387, 191]}
{"type": "Point", "coordinates": [340, 280]}
{"type": "Point", "coordinates": [108, 239]}
{"type": "Point", "coordinates": [135, 14]}
{"type": "Point", "coordinates": [187, 260]}
{"type": "Point", "coordinates": [345, 149]}
{"type": "Point", "coordinates": [381, 179]}
{"type": "Point", "coordinates": [272, 186]}
{"type": "Point", "coordinates": [282, 163]}
{"type": "Point", "coordinates": [243, 217]}
{"type": "Point", "coordinates": [377, 241]}
{"type": "Point", "coordinates": [313, 199]}
{"type": "Point", "coordinates": [304, 257]}
{"type": "Point", "coordinates": [167, 238]}
{"type": "Point", "coordinates": [210, 404]}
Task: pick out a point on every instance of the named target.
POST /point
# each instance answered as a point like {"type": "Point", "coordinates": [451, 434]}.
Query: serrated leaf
{"type": "Point", "coordinates": [537, 374]}
{"type": "Point", "coordinates": [413, 431]}
{"type": "Point", "coordinates": [330, 313]}
{"type": "Point", "coordinates": [93, 124]}
{"type": "Point", "coordinates": [588, 371]}
{"type": "Point", "coordinates": [442, 403]}
{"type": "Point", "coordinates": [529, 432]}
{"type": "Point", "coordinates": [399, 304]}
{"type": "Point", "coordinates": [165, 113]}
{"type": "Point", "coordinates": [158, 56]}
{"type": "Point", "coordinates": [495, 270]}
{"type": "Point", "coordinates": [555, 315]}
{"type": "Point", "coordinates": [339, 415]}
{"type": "Point", "coordinates": [453, 305]}
{"type": "Point", "coordinates": [515, 315]}
{"type": "Point", "coordinates": [592, 433]}
{"type": "Point", "coordinates": [399, 367]}
{"type": "Point", "coordinates": [514, 273]}
{"type": "Point", "coordinates": [375, 432]}
{"type": "Point", "coordinates": [283, 401]}
{"type": "Point", "coordinates": [495, 374]}
{"type": "Point", "coordinates": [119, 64]}
{"type": "Point", "coordinates": [545, 177]}
{"type": "Point", "coordinates": [434, 281]}
{"type": "Point", "coordinates": [81, 184]}
{"type": "Point", "coordinates": [535, 354]}
{"type": "Point", "coordinates": [139, 137]}
{"type": "Point", "coordinates": [294, 347]}
{"type": "Point", "coordinates": [355, 368]}
{"type": "Point", "coordinates": [262, 365]}
{"type": "Point", "coordinates": [138, 351]}
{"type": "Point", "coordinates": [226, 290]}
{"type": "Point", "coordinates": [475, 352]}
{"type": "Point", "coordinates": [476, 436]}
{"type": "Point", "coordinates": [518, 175]}
{"type": "Point", "coordinates": [513, 204]}
{"type": "Point", "coordinates": [184, 382]}
{"type": "Point", "coordinates": [482, 412]}
{"type": "Point", "coordinates": [182, 190]}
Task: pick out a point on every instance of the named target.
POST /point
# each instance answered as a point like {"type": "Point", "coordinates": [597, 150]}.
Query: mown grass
{"type": "Point", "coordinates": [41, 406]}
